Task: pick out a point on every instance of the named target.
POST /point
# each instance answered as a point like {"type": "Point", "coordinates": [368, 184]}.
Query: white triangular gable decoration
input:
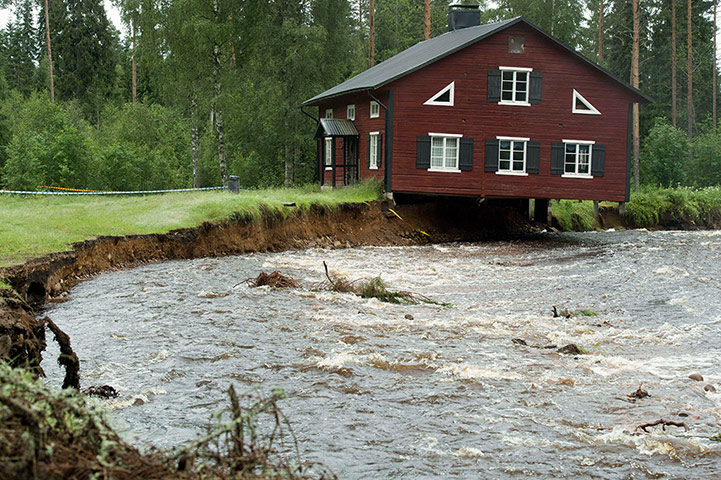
{"type": "Point", "coordinates": [449, 103]}
{"type": "Point", "coordinates": [587, 108]}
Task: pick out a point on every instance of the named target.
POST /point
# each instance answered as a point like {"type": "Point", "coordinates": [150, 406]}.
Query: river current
{"type": "Point", "coordinates": [378, 390]}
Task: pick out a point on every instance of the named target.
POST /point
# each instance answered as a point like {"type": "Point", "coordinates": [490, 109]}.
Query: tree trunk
{"type": "Point", "coordinates": [288, 167]}
{"type": "Point", "coordinates": [715, 72]}
{"type": "Point", "coordinates": [195, 141]}
{"type": "Point", "coordinates": [218, 111]}
{"type": "Point", "coordinates": [600, 31]}
{"type": "Point", "coordinates": [689, 98]}
{"type": "Point", "coordinates": [372, 33]}
{"type": "Point", "coordinates": [427, 21]}
{"type": "Point", "coordinates": [134, 67]}
{"type": "Point", "coordinates": [635, 84]}
{"type": "Point", "coordinates": [50, 53]}
{"type": "Point", "coordinates": [674, 100]}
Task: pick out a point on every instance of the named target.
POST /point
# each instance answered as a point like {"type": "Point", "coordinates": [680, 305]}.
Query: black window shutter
{"type": "Point", "coordinates": [465, 162]}
{"type": "Point", "coordinates": [598, 160]}
{"type": "Point", "coordinates": [368, 153]}
{"type": "Point", "coordinates": [533, 157]}
{"type": "Point", "coordinates": [379, 159]}
{"type": "Point", "coordinates": [557, 152]}
{"type": "Point", "coordinates": [332, 149]}
{"type": "Point", "coordinates": [423, 152]}
{"type": "Point", "coordinates": [534, 94]}
{"type": "Point", "coordinates": [491, 155]}
{"type": "Point", "coordinates": [494, 85]}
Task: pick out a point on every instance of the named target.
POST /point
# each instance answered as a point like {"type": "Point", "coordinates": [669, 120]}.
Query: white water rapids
{"type": "Point", "coordinates": [378, 390]}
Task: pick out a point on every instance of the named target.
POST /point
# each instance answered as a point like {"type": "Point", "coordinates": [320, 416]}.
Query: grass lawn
{"type": "Point", "coordinates": [32, 226]}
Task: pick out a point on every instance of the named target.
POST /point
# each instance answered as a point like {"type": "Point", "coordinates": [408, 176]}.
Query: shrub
{"type": "Point", "coordinates": [665, 156]}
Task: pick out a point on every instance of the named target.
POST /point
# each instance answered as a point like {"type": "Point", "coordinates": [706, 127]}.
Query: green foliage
{"type": "Point", "coordinates": [682, 206]}
{"type": "Point", "coordinates": [377, 288]}
{"type": "Point", "coordinates": [706, 164]}
{"type": "Point", "coordinates": [49, 145]}
{"type": "Point", "coordinates": [573, 216]}
{"type": "Point", "coordinates": [665, 158]}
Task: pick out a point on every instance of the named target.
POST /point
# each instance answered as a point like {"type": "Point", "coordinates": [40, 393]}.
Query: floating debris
{"type": "Point", "coordinates": [274, 279]}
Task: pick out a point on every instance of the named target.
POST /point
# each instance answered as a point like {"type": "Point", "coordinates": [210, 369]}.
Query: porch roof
{"type": "Point", "coordinates": [335, 127]}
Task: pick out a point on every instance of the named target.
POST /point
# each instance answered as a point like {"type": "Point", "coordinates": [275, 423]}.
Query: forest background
{"type": "Point", "coordinates": [194, 91]}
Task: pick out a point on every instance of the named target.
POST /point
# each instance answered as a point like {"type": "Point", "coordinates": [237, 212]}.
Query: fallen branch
{"type": "Point", "coordinates": [663, 423]}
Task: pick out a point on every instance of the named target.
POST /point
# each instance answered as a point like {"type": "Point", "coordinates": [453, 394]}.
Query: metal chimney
{"type": "Point", "coordinates": [463, 16]}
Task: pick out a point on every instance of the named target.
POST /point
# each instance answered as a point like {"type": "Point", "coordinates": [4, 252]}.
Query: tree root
{"type": "Point", "coordinates": [67, 357]}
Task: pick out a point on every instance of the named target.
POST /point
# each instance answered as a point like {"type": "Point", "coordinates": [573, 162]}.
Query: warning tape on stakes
{"type": "Point", "coordinates": [94, 192]}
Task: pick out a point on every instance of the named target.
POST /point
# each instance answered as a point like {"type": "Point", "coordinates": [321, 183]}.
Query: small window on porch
{"type": "Point", "coordinates": [328, 113]}
{"type": "Point", "coordinates": [350, 112]}
{"type": "Point", "coordinates": [328, 153]}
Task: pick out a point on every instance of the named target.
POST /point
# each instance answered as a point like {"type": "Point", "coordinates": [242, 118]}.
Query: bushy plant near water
{"type": "Point", "coordinates": [683, 205]}
{"type": "Point", "coordinates": [573, 216]}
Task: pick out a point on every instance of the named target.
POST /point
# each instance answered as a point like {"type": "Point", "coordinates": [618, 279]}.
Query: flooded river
{"type": "Point", "coordinates": [379, 390]}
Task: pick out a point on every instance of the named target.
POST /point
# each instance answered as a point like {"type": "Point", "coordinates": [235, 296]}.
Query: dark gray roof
{"type": "Point", "coordinates": [335, 127]}
{"type": "Point", "coordinates": [429, 51]}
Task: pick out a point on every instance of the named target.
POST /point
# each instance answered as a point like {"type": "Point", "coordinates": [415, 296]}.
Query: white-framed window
{"type": "Point", "coordinates": [577, 156]}
{"type": "Point", "coordinates": [375, 150]}
{"type": "Point", "coordinates": [350, 112]}
{"type": "Point", "coordinates": [445, 148]}
{"type": "Point", "coordinates": [444, 97]}
{"type": "Point", "coordinates": [514, 85]}
{"type": "Point", "coordinates": [328, 153]}
{"type": "Point", "coordinates": [512, 155]}
{"type": "Point", "coordinates": [375, 109]}
{"type": "Point", "coordinates": [581, 105]}
{"type": "Point", "coordinates": [328, 113]}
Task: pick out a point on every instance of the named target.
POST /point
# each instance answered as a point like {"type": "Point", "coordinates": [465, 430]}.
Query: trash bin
{"type": "Point", "coordinates": [234, 184]}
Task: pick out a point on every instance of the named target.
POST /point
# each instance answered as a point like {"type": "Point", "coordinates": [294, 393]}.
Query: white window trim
{"type": "Point", "coordinates": [451, 87]}
{"type": "Point", "coordinates": [590, 159]}
{"type": "Point", "coordinates": [328, 113]}
{"type": "Point", "coordinates": [593, 110]}
{"type": "Point", "coordinates": [378, 109]}
{"type": "Point", "coordinates": [525, 103]}
{"type": "Point", "coordinates": [328, 158]}
{"type": "Point", "coordinates": [514, 173]}
{"type": "Point", "coordinates": [375, 134]}
{"type": "Point", "coordinates": [348, 110]}
{"type": "Point", "coordinates": [458, 152]}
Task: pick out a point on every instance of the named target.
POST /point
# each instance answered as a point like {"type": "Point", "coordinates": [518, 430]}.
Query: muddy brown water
{"type": "Point", "coordinates": [442, 392]}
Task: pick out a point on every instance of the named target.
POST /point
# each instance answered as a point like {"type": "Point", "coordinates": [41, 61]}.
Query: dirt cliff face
{"type": "Point", "coordinates": [49, 278]}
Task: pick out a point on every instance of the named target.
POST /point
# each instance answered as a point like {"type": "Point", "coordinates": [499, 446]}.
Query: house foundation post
{"type": "Point", "coordinates": [541, 210]}
{"type": "Point", "coordinates": [595, 208]}
{"type": "Point", "coordinates": [621, 208]}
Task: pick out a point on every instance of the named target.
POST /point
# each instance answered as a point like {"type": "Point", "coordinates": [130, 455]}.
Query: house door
{"type": "Point", "coordinates": [351, 154]}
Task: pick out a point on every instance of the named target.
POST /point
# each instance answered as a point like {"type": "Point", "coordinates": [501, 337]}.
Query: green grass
{"type": "Point", "coordinates": [35, 226]}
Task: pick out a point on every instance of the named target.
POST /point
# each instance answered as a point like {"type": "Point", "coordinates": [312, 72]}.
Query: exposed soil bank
{"type": "Point", "coordinates": [49, 278]}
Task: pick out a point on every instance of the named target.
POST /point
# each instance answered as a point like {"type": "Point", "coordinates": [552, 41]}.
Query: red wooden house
{"type": "Point", "coordinates": [490, 111]}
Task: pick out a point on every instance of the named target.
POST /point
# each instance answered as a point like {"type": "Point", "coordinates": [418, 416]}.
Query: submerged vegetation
{"type": "Point", "coordinates": [37, 226]}
{"type": "Point", "coordinates": [373, 288]}
{"type": "Point", "coordinates": [54, 435]}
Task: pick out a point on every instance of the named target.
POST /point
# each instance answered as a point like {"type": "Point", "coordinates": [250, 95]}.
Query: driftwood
{"type": "Point", "coordinates": [663, 423]}
{"type": "Point", "coordinates": [638, 394]}
{"type": "Point", "coordinates": [102, 391]}
{"type": "Point", "coordinates": [274, 279]}
{"type": "Point", "coordinates": [67, 357]}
